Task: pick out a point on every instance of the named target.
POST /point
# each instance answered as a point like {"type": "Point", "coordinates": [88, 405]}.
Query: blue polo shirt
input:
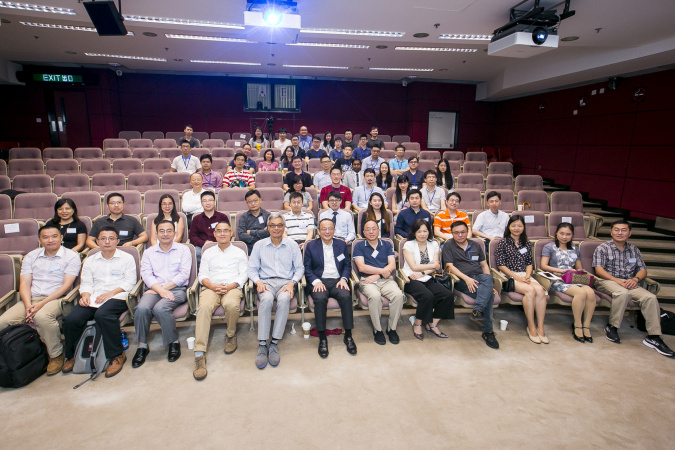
{"type": "Point", "coordinates": [407, 217]}
{"type": "Point", "coordinates": [380, 260]}
{"type": "Point", "coordinates": [360, 153]}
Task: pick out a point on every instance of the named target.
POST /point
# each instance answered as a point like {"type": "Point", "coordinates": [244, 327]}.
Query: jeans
{"type": "Point", "coordinates": [483, 295]}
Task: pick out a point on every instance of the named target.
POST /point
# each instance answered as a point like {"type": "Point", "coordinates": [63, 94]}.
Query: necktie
{"type": "Point", "coordinates": [357, 178]}
{"type": "Point", "coordinates": [334, 219]}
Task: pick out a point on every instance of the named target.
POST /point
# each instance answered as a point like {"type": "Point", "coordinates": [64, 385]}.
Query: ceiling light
{"type": "Point", "coordinates": [208, 38]}
{"type": "Point", "coordinates": [420, 35]}
{"type": "Point", "coordinates": [466, 37]}
{"type": "Point", "coordinates": [201, 61]}
{"type": "Point", "coordinates": [188, 22]}
{"type": "Point", "coordinates": [296, 66]}
{"type": "Point", "coordinates": [353, 32]}
{"type": "Point", "coordinates": [149, 34]}
{"type": "Point", "coordinates": [569, 38]}
{"type": "Point", "coordinates": [381, 47]}
{"type": "Point", "coordinates": [140, 58]}
{"type": "Point", "coordinates": [64, 27]}
{"type": "Point", "coordinates": [402, 69]}
{"type": "Point", "coordinates": [37, 8]}
{"type": "Point", "coordinates": [438, 49]}
{"type": "Point", "coordinates": [319, 44]}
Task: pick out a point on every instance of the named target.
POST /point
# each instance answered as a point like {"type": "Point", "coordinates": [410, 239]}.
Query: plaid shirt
{"type": "Point", "coordinates": [619, 264]}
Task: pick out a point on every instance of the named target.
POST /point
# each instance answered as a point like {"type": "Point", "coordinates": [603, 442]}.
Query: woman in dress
{"type": "Point", "coordinates": [400, 199]}
{"type": "Point", "coordinates": [258, 141]}
{"type": "Point", "coordinates": [268, 164]}
{"type": "Point", "coordinates": [377, 212]}
{"type": "Point", "coordinates": [444, 177]}
{"type": "Point", "coordinates": [384, 179]}
{"type": "Point", "coordinates": [73, 230]}
{"type": "Point", "coordinates": [167, 211]}
{"type": "Point", "coordinates": [298, 186]}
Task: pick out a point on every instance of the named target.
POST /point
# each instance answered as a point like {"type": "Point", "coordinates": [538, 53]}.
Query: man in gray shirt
{"type": "Point", "coordinates": [252, 225]}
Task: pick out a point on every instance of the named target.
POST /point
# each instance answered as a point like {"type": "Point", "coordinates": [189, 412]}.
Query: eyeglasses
{"type": "Point", "coordinates": [115, 203]}
{"type": "Point", "coordinates": [107, 239]}
{"type": "Point", "coordinates": [275, 225]}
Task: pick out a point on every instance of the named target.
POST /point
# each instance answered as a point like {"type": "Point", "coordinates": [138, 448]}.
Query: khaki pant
{"type": "Point", "coordinates": [45, 321]}
{"type": "Point", "coordinates": [384, 287]}
{"type": "Point", "coordinates": [209, 301]}
{"type": "Point", "coordinates": [649, 305]}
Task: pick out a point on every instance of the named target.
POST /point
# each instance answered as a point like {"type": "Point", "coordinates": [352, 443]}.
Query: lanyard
{"type": "Point", "coordinates": [398, 163]}
{"type": "Point", "coordinates": [432, 197]}
{"type": "Point", "coordinates": [209, 179]}
{"type": "Point", "coordinates": [186, 162]}
{"type": "Point", "coordinates": [371, 192]}
{"type": "Point", "coordinates": [373, 165]}
{"type": "Point", "coordinates": [414, 178]}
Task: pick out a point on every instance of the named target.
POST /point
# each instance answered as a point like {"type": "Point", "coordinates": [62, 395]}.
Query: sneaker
{"type": "Point", "coordinates": [612, 334]}
{"type": "Point", "coordinates": [477, 316]}
{"type": "Point", "coordinates": [261, 359]}
{"type": "Point", "coordinates": [393, 337]}
{"type": "Point", "coordinates": [491, 340]}
{"type": "Point", "coordinates": [274, 355]}
{"type": "Point", "coordinates": [657, 344]}
{"type": "Point", "coordinates": [200, 368]}
{"type": "Point", "coordinates": [379, 337]}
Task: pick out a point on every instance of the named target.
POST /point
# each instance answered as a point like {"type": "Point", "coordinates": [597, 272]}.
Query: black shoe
{"type": "Point", "coordinates": [351, 345]}
{"type": "Point", "coordinates": [379, 337]}
{"type": "Point", "coordinates": [612, 334]}
{"type": "Point", "coordinates": [588, 338]}
{"type": "Point", "coordinates": [491, 340]}
{"type": "Point", "coordinates": [477, 316]}
{"type": "Point", "coordinates": [139, 357]}
{"type": "Point", "coordinates": [174, 351]}
{"type": "Point", "coordinates": [393, 337]}
{"type": "Point", "coordinates": [323, 348]}
{"type": "Point", "coordinates": [657, 344]}
{"type": "Point", "coordinates": [577, 338]}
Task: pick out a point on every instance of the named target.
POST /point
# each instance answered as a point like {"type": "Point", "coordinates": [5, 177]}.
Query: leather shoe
{"type": "Point", "coordinates": [116, 365]}
{"type": "Point", "coordinates": [139, 357]}
{"type": "Point", "coordinates": [351, 345]}
{"type": "Point", "coordinates": [174, 351]}
{"type": "Point", "coordinates": [323, 348]}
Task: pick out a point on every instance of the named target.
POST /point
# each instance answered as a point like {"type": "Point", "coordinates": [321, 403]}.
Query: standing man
{"type": "Point", "coordinates": [362, 151]}
{"type": "Point", "coordinates": [129, 229]}
{"type": "Point", "coordinates": [323, 178]}
{"type": "Point", "coordinates": [414, 175]}
{"type": "Point", "coordinates": [193, 142]}
{"type": "Point", "coordinates": [620, 269]}
{"type": "Point", "coordinates": [399, 165]}
{"type": "Point", "coordinates": [466, 260]}
{"type": "Point", "coordinates": [373, 140]}
{"type": "Point", "coordinates": [444, 220]}
{"type": "Point", "coordinates": [374, 160]}
{"type": "Point", "coordinates": [185, 162]}
{"type": "Point", "coordinates": [249, 163]}
{"type": "Point", "coordinates": [328, 268]}
{"type": "Point", "coordinates": [210, 179]}
{"type": "Point", "coordinates": [353, 178]}
{"type": "Point", "coordinates": [107, 278]}
{"type": "Point", "coordinates": [304, 140]}
{"type": "Point", "coordinates": [47, 274]}
{"type": "Point", "coordinates": [297, 162]}
{"type": "Point", "coordinates": [376, 263]}
{"type": "Point", "coordinates": [252, 225]}
{"type": "Point", "coordinates": [335, 186]}
{"type": "Point", "coordinates": [239, 176]}
{"type": "Point", "coordinates": [222, 274]}
{"type": "Point", "coordinates": [408, 216]}
{"type": "Point", "coordinates": [362, 194]}
{"type": "Point", "coordinates": [300, 224]}
{"type": "Point", "coordinates": [165, 269]}
{"type": "Point", "coordinates": [282, 142]}
{"type": "Point", "coordinates": [203, 224]}
{"type": "Point", "coordinates": [342, 218]}
{"type": "Point", "coordinates": [492, 223]}
{"type": "Point", "coordinates": [276, 268]}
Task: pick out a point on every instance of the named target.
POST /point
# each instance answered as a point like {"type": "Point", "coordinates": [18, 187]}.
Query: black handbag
{"type": "Point", "coordinates": [509, 285]}
{"type": "Point", "coordinates": [444, 280]}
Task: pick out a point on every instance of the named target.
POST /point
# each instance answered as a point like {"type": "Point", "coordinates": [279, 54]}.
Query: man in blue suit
{"type": "Point", "coordinates": [328, 268]}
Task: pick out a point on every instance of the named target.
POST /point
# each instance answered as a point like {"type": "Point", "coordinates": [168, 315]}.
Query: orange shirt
{"type": "Point", "coordinates": [444, 221]}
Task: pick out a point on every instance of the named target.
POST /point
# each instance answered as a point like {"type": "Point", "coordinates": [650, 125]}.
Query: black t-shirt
{"type": "Point", "coordinates": [128, 227]}
{"type": "Point", "coordinates": [306, 179]}
{"type": "Point", "coordinates": [194, 143]}
{"type": "Point", "coordinates": [343, 164]}
{"type": "Point", "coordinates": [379, 143]}
{"type": "Point", "coordinates": [70, 232]}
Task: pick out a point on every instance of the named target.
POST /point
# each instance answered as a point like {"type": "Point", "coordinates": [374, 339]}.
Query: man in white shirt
{"type": "Point", "coordinates": [374, 160]}
{"type": "Point", "coordinates": [222, 274]}
{"type": "Point", "coordinates": [491, 224]}
{"type": "Point", "coordinates": [191, 201]}
{"type": "Point", "coordinates": [107, 278]}
{"type": "Point", "coordinates": [185, 162]}
{"type": "Point", "coordinates": [282, 142]}
{"type": "Point", "coordinates": [362, 194]}
{"type": "Point", "coordinates": [322, 179]}
{"type": "Point", "coordinates": [432, 195]}
{"type": "Point", "coordinates": [300, 225]}
{"type": "Point", "coordinates": [343, 220]}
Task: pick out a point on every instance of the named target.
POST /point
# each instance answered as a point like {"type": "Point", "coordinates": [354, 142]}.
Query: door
{"type": "Point", "coordinates": [71, 119]}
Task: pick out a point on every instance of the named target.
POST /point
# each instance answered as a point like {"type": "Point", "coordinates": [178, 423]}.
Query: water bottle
{"type": "Point", "coordinates": [125, 341]}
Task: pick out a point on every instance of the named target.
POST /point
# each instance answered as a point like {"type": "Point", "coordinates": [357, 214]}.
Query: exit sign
{"type": "Point", "coordinates": [55, 78]}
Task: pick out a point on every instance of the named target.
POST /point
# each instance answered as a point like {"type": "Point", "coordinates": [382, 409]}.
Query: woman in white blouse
{"type": "Point", "coordinates": [422, 257]}
{"type": "Point", "coordinates": [191, 202]}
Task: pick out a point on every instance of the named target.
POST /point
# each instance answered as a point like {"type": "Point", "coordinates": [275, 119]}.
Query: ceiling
{"type": "Point", "coordinates": [615, 37]}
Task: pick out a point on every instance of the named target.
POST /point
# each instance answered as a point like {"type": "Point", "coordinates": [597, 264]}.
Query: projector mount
{"type": "Point", "coordinates": [532, 19]}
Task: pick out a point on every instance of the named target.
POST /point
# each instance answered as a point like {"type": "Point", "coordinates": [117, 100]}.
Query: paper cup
{"type": "Point", "coordinates": [305, 329]}
{"type": "Point", "coordinates": [520, 207]}
{"type": "Point", "coordinates": [191, 343]}
{"type": "Point", "coordinates": [503, 324]}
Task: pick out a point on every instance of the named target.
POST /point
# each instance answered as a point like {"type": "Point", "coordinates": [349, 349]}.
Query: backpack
{"type": "Point", "coordinates": [23, 356]}
{"type": "Point", "coordinates": [667, 322]}
{"type": "Point", "coordinates": [90, 354]}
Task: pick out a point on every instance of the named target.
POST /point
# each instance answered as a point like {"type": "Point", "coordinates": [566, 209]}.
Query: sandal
{"type": "Point", "coordinates": [418, 336]}
{"type": "Point", "coordinates": [440, 334]}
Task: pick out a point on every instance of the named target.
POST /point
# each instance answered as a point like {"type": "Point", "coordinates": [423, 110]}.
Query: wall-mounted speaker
{"type": "Point", "coordinates": [106, 18]}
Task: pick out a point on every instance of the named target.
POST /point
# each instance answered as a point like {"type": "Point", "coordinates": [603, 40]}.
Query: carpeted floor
{"type": "Point", "coordinates": [452, 393]}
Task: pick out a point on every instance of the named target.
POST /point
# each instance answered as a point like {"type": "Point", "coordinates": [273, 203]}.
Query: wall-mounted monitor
{"type": "Point", "coordinates": [442, 130]}
{"type": "Point", "coordinates": [273, 97]}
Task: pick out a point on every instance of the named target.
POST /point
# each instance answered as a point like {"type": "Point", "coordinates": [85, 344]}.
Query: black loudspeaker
{"type": "Point", "coordinates": [105, 17]}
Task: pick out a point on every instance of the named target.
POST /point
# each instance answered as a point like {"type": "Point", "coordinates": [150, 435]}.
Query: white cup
{"type": "Point", "coordinates": [191, 343]}
{"type": "Point", "coordinates": [503, 324]}
{"type": "Point", "coordinates": [305, 329]}
{"type": "Point", "coordinates": [520, 207]}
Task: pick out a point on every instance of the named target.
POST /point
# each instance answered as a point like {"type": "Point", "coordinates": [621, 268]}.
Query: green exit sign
{"type": "Point", "coordinates": [55, 78]}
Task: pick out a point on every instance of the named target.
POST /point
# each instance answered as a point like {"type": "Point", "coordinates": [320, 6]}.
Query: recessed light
{"type": "Point", "coordinates": [70, 52]}
{"type": "Point", "coordinates": [421, 35]}
{"type": "Point", "coordinates": [57, 26]}
{"type": "Point", "coordinates": [178, 59]}
{"type": "Point", "coordinates": [381, 47]}
{"type": "Point", "coordinates": [140, 58]}
{"type": "Point", "coordinates": [208, 38]}
{"type": "Point", "coordinates": [37, 8]}
{"type": "Point", "coordinates": [237, 63]}
{"type": "Point", "coordinates": [466, 37]}
{"type": "Point", "coordinates": [174, 21]}
{"type": "Point", "coordinates": [358, 68]}
{"type": "Point", "coordinates": [402, 69]}
{"type": "Point", "coordinates": [319, 44]}
{"type": "Point", "coordinates": [297, 66]}
{"type": "Point", "coordinates": [438, 49]}
{"type": "Point", "coordinates": [569, 38]}
{"type": "Point", "coordinates": [149, 34]}
{"type": "Point", "coordinates": [353, 32]}
{"type": "Point", "coordinates": [271, 64]}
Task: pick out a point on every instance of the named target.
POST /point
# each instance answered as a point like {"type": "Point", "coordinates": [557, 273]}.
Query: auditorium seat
{"type": "Point", "coordinates": [268, 179]}
{"type": "Point", "coordinates": [476, 156]}
{"type": "Point", "coordinates": [8, 282]}
{"type": "Point", "coordinates": [70, 182]}
{"type": "Point", "coordinates": [497, 168]}
{"type": "Point", "coordinates": [314, 166]}
{"type": "Point", "coordinates": [114, 143]}
{"type": "Point", "coordinates": [272, 198]}
{"type": "Point", "coordinates": [5, 207]}
{"type": "Point", "coordinates": [145, 153]}
{"type": "Point", "coordinates": [160, 166]}
{"type": "Point", "coordinates": [400, 138]}
{"type": "Point", "coordinates": [463, 299]}
{"type": "Point", "coordinates": [384, 137]}
{"type": "Point", "coordinates": [175, 135]}
{"type": "Point", "coordinates": [537, 200]}
{"type": "Point", "coordinates": [224, 135]}
{"type": "Point", "coordinates": [231, 200]}
{"type": "Point", "coordinates": [176, 180]}
{"type": "Point", "coordinates": [511, 298]}
{"type": "Point", "coordinates": [149, 218]}
{"type": "Point", "coordinates": [164, 143]}
{"type": "Point", "coordinates": [529, 182]}
{"type": "Point", "coordinates": [38, 206]}
{"type": "Point", "coordinates": [117, 153]}
{"type": "Point", "coordinates": [32, 183]}
{"type": "Point", "coordinates": [471, 199]}
{"type": "Point", "coordinates": [33, 166]}
{"type": "Point", "coordinates": [57, 166]}
{"type": "Point", "coordinates": [140, 143]}
{"type": "Point", "coordinates": [213, 143]}
{"type": "Point", "coordinates": [254, 153]}
{"type": "Point", "coordinates": [152, 196]}
{"type": "Point", "coordinates": [198, 152]}
{"type": "Point", "coordinates": [88, 203]}
{"type": "Point", "coordinates": [508, 200]}
{"type": "Point", "coordinates": [3, 167]}
{"type": "Point", "coordinates": [81, 153]}
{"type": "Point", "coordinates": [142, 182]}
{"type": "Point", "coordinates": [220, 165]}
{"type": "Point", "coordinates": [499, 181]}
{"type": "Point", "coordinates": [18, 236]}
{"type": "Point", "coordinates": [535, 223]}
{"type": "Point", "coordinates": [94, 166]}
{"type": "Point", "coordinates": [200, 135]}
{"type": "Point", "coordinates": [5, 183]}
{"type": "Point", "coordinates": [315, 200]}
{"type": "Point", "coordinates": [455, 167]}
{"type": "Point", "coordinates": [454, 156]}
{"type": "Point", "coordinates": [235, 143]}
{"type": "Point", "coordinates": [567, 201]}
{"type": "Point", "coordinates": [169, 153]}
{"type": "Point", "coordinates": [475, 167]}
{"type": "Point", "coordinates": [104, 182]}
{"type": "Point", "coordinates": [319, 135]}
{"type": "Point", "coordinates": [432, 155]}
{"type": "Point", "coordinates": [242, 136]}
{"type": "Point", "coordinates": [573, 217]}
{"type": "Point", "coordinates": [129, 135]}
{"type": "Point", "coordinates": [25, 153]}
{"type": "Point", "coordinates": [470, 181]}
{"type": "Point", "coordinates": [359, 224]}
{"type": "Point", "coordinates": [222, 152]}
{"type": "Point", "coordinates": [411, 146]}
{"type": "Point", "coordinates": [132, 202]}
{"type": "Point", "coordinates": [57, 153]}
{"type": "Point", "coordinates": [425, 165]}
{"type": "Point", "coordinates": [127, 166]}
{"type": "Point", "coordinates": [154, 135]}
{"type": "Point", "coordinates": [410, 154]}
{"type": "Point", "coordinates": [388, 155]}
{"type": "Point", "coordinates": [389, 145]}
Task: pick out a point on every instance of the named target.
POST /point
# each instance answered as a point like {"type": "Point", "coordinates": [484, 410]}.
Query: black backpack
{"type": "Point", "coordinates": [667, 322]}
{"type": "Point", "coordinates": [23, 356]}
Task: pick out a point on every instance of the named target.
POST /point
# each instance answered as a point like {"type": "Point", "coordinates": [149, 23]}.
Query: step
{"type": "Point", "coordinates": [661, 272]}
{"type": "Point", "coordinates": [652, 245]}
{"type": "Point", "coordinates": [658, 259]}
{"type": "Point", "coordinates": [603, 213]}
{"type": "Point", "coordinates": [667, 293]}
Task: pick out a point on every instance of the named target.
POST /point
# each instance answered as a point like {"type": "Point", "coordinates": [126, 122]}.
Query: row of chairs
{"type": "Point", "coordinates": [224, 135]}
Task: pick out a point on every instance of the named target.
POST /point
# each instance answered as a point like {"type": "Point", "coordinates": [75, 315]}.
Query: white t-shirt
{"type": "Point", "coordinates": [190, 165]}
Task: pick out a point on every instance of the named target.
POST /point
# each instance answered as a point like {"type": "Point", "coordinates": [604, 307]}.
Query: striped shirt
{"type": "Point", "coordinates": [297, 226]}
{"type": "Point", "coordinates": [238, 179]}
{"type": "Point", "coordinates": [619, 264]}
{"type": "Point", "coordinates": [444, 221]}
{"type": "Point", "coordinates": [268, 261]}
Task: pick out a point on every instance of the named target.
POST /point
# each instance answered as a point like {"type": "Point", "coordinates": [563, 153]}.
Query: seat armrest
{"type": "Point", "coordinates": [652, 286]}
{"type": "Point", "coordinates": [541, 279]}
{"type": "Point", "coordinates": [7, 298]}
{"type": "Point", "coordinates": [69, 298]}
{"type": "Point", "coordinates": [133, 297]}
{"type": "Point", "coordinates": [499, 279]}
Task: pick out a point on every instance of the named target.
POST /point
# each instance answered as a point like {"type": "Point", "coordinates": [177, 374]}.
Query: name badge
{"type": "Point", "coordinates": [54, 268]}
{"type": "Point", "coordinates": [414, 186]}
{"type": "Point", "coordinates": [474, 258]}
{"type": "Point", "coordinates": [341, 257]}
{"type": "Point", "coordinates": [116, 273]}
{"type": "Point", "coordinates": [261, 220]}
{"type": "Point", "coordinates": [213, 225]}
{"type": "Point", "coordinates": [529, 219]}
{"type": "Point", "coordinates": [426, 218]}
{"type": "Point", "coordinates": [632, 260]}
{"type": "Point", "coordinates": [523, 250]}
{"type": "Point", "coordinates": [71, 230]}
{"type": "Point", "coordinates": [375, 253]}
{"type": "Point", "coordinates": [124, 233]}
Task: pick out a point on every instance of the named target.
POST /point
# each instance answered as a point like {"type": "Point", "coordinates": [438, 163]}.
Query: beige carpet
{"type": "Point", "coordinates": [453, 393]}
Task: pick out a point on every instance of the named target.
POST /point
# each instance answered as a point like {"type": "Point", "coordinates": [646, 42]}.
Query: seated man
{"type": "Point", "coordinates": [342, 218]}
{"type": "Point", "coordinates": [203, 224]}
{"type": "Point", "coordinates": [249, 163]}
{"type": "Point", "coordinates": [344, 163]}
{"type": "Point", "coordinates": [362, 151]}
{"type": "Point", "coordinates": [374, 160]}
{"type": "Point", "coordinates": [239, 177]}
{"type": "Point", "coordinates": [222, 274]}
{"type": "Point", "coordinates": [362, 194]}
{"type": "Point", "coordinates": [210, 179]}
{"type": "Point", "coordinates": [165, 269]}
{"type": "Point", "coordinates": [304, 140]}
{"type": "Point", "coordinates": [338, 151]}
{"type": "Point", "coordinates": [322, 179]}
{"type": "Point", "coordinates": [415, 176]}
{"type": "Point", "coordinates": [328, 268]}
{"type": "Point", "coordinates": [282, 142]}
{"type": "Point", "coordinates": [107, 278]}
{"type": "Point", "coordinates": [408, 216]}
{"type": "Point", "coordinates": [300, 224]}
{"type": "Point", "coordinates": [276, 268]}
{"type": "Point", "coordinates": [376, 264]}
{"type": "Point", "coordinates": [466, 260]}
{"type": "Point", "coordinates": [620, 268]}
{"type": "Point", "coordinates": [185, 162]}
{"type": "Point", "coordinates": [47, 274]}
{"type": "Point", "coordinates": [399, 165]}
{"type": "Point", "coordinates": [297, 150]}
{"type": "Point", "coordinates": [314, 151]}
{"type": "Point", "coordinates": [335, 186]}
{"type": "Point", "coordinates": [191, 200]}
{"type": "Point", "coordinates": [432, 195]}
{"type": "Point", "coordinates": [129, 229]}
{"type": "Point", "coordinates": [491, 224]}
{"type": "Point", "coordinates": [444, 220]}
{"type": "Point", "coordinates": [298, 169]}
{"type": "Point", "coordinates": [188, 137]}
{"type": "Point", "coordinates": [353, 178]}
{"type": "Point", "coordinates": [252, 225]}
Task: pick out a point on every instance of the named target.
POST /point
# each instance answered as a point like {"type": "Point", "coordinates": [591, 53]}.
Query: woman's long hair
{"type": "Point", "coordinates": [160, 214]}
{"type": "Point", "coordinates": [507, 231]}
{"type": "Point", "coordinates": [370, 214]}
{"type": "Point", "coordinates": [59, 203]}
{"type": "Point", "coordinates": [449, 183]}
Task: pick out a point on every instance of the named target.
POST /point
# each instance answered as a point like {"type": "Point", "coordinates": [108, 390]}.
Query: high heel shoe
{"type": "Point", "coordinates": [534, 338]}
{"type": "Point", "coordinates": [418, 336]}
{"type": "Point", "coordinates": [440, 334]}
{"type": "Point", "coordinates": [587, 338]}
{"type": "Point", "coordinates": [574, 335]}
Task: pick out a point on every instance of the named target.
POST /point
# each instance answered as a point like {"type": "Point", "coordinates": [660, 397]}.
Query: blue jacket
{"type": "Point", "coordinates": [314, 260]}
